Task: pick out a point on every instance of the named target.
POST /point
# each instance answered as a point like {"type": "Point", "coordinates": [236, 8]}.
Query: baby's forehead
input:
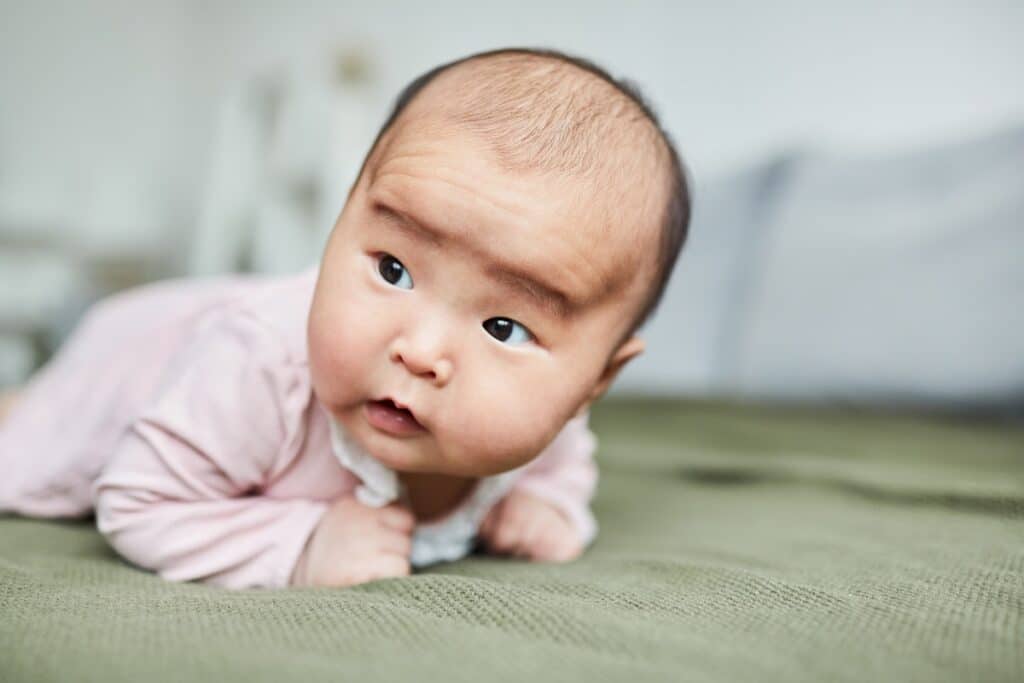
{"type": "Point", "coordinates": [593, 236]}
{"type": "Point", "coordinates": [570, 130]}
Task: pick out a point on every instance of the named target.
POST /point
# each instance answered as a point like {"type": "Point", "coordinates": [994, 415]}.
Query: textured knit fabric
{"type": "Point", "coordinates": [735, 546]}
{"type": "Point", "coordinates": [183, 412]}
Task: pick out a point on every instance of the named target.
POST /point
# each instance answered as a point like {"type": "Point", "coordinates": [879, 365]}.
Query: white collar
{"type": "Point", "coordinates": [380, 485]}
{"type": "Point", "coordinates": [445, 540]}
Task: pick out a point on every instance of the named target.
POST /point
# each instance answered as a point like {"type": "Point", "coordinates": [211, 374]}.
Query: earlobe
{"type": "Point", "coordinates": [628, 350]}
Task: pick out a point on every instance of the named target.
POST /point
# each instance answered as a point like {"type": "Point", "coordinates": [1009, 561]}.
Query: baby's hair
{"type": "Point", "coordinates": [554, 120]}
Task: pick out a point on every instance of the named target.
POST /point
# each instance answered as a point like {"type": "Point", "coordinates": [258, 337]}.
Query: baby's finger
{"type": "Point", "coordinates": [544, 546]}
{"type": "Point", "coordinates": [395, 542]}
{"type": "Point", "coordinates": [507, 534]}
{"type": "Point", "coordinates": [557, 545]}
{"type": "Point", "coordinates": [387, 565]}
{"type": "Point", "coordinates": [396, 517]}
{"type": "Point", "coordinates": [533, 532]}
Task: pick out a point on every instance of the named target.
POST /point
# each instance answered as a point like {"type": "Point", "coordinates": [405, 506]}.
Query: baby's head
{"type": "Point", "coordinates": [513, 225]}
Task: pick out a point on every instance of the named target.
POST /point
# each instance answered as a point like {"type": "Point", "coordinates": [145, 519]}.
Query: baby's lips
{"type": "Point", "coordinates": [399, 405]}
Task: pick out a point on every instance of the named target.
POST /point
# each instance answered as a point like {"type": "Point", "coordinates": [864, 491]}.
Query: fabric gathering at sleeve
{"type": "Point", "coordinates": [182, 494]}
{"type": "Point", "coordinates": [565, 475]}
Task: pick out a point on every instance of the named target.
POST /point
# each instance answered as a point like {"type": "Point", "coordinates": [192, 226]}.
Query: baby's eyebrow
{"type": "Point", "coordinates": [548, 298]}
{"type": "Point", "coordinates": [545, 296]}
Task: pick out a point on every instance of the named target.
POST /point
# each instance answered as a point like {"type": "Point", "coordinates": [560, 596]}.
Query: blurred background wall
{"type": "Point", "coordinates": [149, 140]}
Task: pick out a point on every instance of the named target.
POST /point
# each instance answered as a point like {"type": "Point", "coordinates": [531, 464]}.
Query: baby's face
{"type": "Point", "coordinates": [488, 303]}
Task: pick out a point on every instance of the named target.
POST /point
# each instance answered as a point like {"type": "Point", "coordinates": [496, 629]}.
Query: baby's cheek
{"type": "Point", "coordinates": [498, 438]}
{"type": "Point", "coordinates": [336, 353]}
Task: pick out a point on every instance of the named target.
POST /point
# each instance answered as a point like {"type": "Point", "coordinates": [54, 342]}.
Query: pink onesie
{"type": "Point", "coordinates": [183, 413]}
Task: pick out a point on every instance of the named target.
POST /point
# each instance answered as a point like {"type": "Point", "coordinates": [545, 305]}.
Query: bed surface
{"type": "Point", "coordinates": [736, 543]}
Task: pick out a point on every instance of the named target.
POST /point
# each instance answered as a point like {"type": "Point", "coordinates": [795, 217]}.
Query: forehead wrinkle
{"type": "Point", "coordinates": [613, 183]}
{"type": "Point", "coordinates": [504, 273]}
{"type": "Point", "coordinates": [437, 172]}
{"type": "Point", "coordinates": [405, 159]}
{"type": "Point", "coordinates": [510, 215]}
{"type": "Point", "coordinates": [414, 229]}
{"type": "Point", "coordinates": [554, 301]}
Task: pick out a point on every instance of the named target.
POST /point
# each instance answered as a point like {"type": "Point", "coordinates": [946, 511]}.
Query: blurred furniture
{"type": "Point", "coordinates": [735, 545]}
{"type": "Point", "coordinates": [37, 279]}
{"type": "Point", "coordinates": [896, 280]}
{"type": "Point", "coordinates": [289, 145]}
{"type": "Point", "coordinates": [60, 250]}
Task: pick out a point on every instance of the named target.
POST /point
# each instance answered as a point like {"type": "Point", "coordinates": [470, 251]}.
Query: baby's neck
{"type": "Point", "coordinates": [433, 496]}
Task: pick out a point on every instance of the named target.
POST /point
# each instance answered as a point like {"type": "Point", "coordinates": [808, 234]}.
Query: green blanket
{"type": "Point", "coordinates": [736, 544]}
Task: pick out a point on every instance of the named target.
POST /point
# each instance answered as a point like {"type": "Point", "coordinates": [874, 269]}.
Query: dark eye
{"type": "Point", "coordinates": [507, 331]}
{"type": "Point", "coordinates": [393, 272]}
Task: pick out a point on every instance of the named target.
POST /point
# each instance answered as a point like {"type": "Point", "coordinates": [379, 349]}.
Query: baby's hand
{"type": "Point", "coordinates": [354, 543]}
{"type": "Point", "coordinates": [525, 526]}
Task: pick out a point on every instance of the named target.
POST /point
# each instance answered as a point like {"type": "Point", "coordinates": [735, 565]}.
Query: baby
{"type": "Point", "coordinates": [425, 387]}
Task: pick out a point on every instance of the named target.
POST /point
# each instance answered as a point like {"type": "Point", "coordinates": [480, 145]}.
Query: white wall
{"type": "Point", "coordinates": [101, 120]}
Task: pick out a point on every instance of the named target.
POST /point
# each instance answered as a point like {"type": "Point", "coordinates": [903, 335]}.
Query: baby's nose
{"type": "Point", "coordinates": [422, 362]}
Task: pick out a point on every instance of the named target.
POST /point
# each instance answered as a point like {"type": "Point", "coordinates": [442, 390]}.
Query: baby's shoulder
{"type": "Point", "coordinates": [263, 318]}
{"type": "Point", "coordinates": [279, 306]}
{"type": "Point", "coordinates": [245, 348]}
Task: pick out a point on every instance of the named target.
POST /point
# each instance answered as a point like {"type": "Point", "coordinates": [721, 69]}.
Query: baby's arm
{"type": "Point", "coordinates": [182, 494]}
{"type": "Point", "coordinates": [546, 516]}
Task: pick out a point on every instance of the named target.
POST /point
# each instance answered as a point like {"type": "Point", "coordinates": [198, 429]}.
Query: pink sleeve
{"type": "Point", "coordinates": [182, 493]}
{"type": "Point", "coordinates": [565, 475]}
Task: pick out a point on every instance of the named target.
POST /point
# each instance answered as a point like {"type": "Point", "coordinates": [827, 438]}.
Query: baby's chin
{"type": "Point", "coordinates": [413, 458]}
{"type": "Point", "coordinates": [414, 463]}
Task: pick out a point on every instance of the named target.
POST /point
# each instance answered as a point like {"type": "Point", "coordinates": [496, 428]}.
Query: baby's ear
{"type": "Point", "coordinates": [629, 349]}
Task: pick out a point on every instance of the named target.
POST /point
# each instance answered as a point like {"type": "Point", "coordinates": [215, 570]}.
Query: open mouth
{"type": "Point", "coordinates": [388, 417]}
{"type": "Point", "coordinates": [391, 405]}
